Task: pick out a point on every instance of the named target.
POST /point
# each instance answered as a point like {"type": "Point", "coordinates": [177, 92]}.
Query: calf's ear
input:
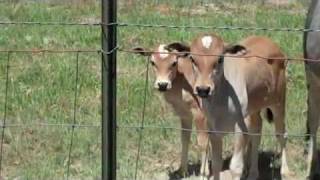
{"type": "Point", "coordinates": [183, 49]}
{"type": "Point", "coordinates": [141, 51]}
{"type": "Point", "coordinates": [235, 49]}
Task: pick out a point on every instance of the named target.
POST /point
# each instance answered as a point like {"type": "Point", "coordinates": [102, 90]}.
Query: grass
{"type": "Point", "coordinates": [41, 86]}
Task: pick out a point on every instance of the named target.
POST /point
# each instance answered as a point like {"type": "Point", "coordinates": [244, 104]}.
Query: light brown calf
{"type": "Point", "coordinates": [236, 88]}
{"type": "Point", "coordinates": [174, 79]}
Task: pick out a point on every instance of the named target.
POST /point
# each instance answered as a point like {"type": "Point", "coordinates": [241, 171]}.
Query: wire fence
{"type": "Point", "coordinates": [146, 51]}
{"type": "Point", "coordinates": [5, 123]}
{"type": "Point", "coordinates": [166, 26]}
{"type": "Point", "coordinates": [140, 127]}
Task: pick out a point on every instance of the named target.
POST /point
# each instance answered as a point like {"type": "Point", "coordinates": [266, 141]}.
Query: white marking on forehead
{"type": "Point", "coordinates": [162, 52]}
{"type": "Point", "coordinates": [206, 41]}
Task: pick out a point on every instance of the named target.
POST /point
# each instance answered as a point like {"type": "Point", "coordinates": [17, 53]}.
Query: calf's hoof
{"type": "Point", "coordinates": [179, 173]}
{"type": "Point", "coordinates": [287, 174]}
{"type": "Point", "coordinates": [205, 171]}
{"type": "Point", "coordinates": [236, 176]}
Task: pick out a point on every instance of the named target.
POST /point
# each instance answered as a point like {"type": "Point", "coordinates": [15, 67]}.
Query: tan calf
{"type": "Point", "coordinates": [174, 79]}
{"type": "Point", "coordinates": [236, 88]}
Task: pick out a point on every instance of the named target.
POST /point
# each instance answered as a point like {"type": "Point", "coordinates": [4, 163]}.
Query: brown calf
{"type": "Point", "coordinates": [234, 90]}
{"type": "Point", "coordinates": [174, 78]}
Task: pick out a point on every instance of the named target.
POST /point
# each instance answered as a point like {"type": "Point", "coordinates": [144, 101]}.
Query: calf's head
{"type": "Point", "coordinates": [164, 64]}
{"type": "Point", "coordinates": [204, 54]}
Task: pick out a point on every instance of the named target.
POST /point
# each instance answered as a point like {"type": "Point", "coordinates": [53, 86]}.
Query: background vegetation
{"type": "Point", "coordinates": [41, 85]}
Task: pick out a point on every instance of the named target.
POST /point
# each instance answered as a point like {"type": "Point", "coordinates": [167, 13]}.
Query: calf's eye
{"type": "Point", "coordinates": [192, 60]}
{"type": "Point", "coordinates": [152, 63]}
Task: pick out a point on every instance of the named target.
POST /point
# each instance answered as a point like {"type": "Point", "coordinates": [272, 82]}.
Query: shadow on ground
{"type": "Point", "coordinates": [266, 170]}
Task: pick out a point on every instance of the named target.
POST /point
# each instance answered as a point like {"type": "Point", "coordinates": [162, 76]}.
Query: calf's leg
{"type": "Point", "coordinates": [216, 146]}
{"type": "Point", "coordinates": [186, 125]}
{"type": "Point", "coordinates": [237, 160]}
{"type": "Point", "coordinates": [254, 123]}
{"type": "Point", "coordinates": [183, 110]}
{"type": "Point", "coordinates": [203, 141]}
{"type": "Point", "coordinates": [278, 111]}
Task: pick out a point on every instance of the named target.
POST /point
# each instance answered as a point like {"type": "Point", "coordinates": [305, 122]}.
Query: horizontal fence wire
{"type": "Point", "coordinates": [168, 26]}
{"type": "Point", "coordinates": [218, 55]}
{"type": "Point", "coordinates": [232, 28]}
{"type": "Point", "coordinates": [51, 124]}
{"type": "Point", "coordinates": [33, 23]}
{"type": "Point", "coordinates": [287, 135]}
{"type": "Point", "coordinates": [146, 127]}
{"type": "Point", "coordinates": [134, 51]}
{"type": "Point", "coordinates": [36, 50]}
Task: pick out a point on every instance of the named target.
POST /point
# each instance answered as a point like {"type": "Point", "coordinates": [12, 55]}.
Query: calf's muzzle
{"type": "Point", "coordinates": [162, 86]}
{"type": "Point", "coordinates": [203, 91]}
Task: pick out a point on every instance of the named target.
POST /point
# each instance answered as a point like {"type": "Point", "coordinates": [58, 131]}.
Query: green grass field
{"type": "Point", "coordinates": [41, 86]}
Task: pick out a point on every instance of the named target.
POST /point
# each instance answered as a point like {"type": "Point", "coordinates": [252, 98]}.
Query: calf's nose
{"type": "Point", "coordinates": [163, 86]}
{"type": "Point", "coordinates": [203, 91]}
